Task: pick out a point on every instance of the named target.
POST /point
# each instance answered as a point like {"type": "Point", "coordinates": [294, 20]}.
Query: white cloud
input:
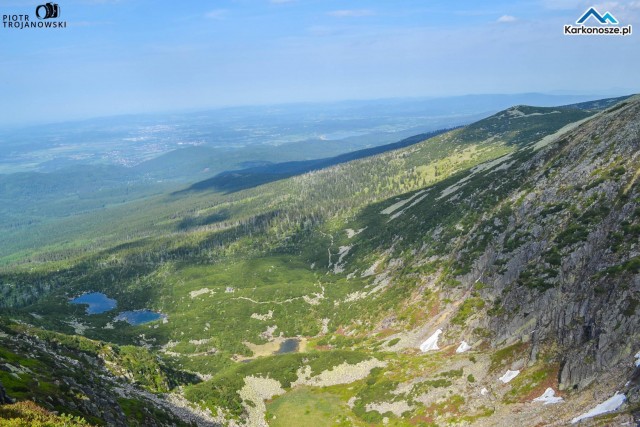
{"type": "Point", "coordinates": [507, 19]}
{"type": "Point", "coordinates": [216, 14]}
{"type": "Point", "coordinates": [350, 13]}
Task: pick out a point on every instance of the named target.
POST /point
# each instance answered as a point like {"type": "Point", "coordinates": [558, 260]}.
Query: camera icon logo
{"type": "Point", "coordinates": [48, 10]}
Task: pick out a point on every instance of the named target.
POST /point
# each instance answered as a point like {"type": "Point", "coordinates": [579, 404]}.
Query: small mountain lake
{"type": "Point", "coordinates": [288, 346]}
{"type": "Point", "coordinates": [96, 302]}
{"type": "Point", "coordinates": [138, 317]}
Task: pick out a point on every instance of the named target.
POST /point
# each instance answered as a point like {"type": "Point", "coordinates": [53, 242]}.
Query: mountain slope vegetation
{"type": "Point", "coordinates": [517, 235]}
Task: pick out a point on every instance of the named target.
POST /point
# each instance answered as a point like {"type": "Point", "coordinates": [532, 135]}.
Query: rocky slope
{"type": "Point", "coordinates": [519, 237]}
{"type": "Point", "coordinates": [555, 257]}
{"type": "Point", "coordinates": [84, 378]}
{"type": "Point", "coordinates": [533, 256]}
{"type": "Point", "coordinates": [550, 265]}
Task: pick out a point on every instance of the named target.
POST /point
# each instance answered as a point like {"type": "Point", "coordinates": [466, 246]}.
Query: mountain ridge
{"type": "Point", "coordinates": [526, 251]}
{"type": "Point", "coordinates": [235, 180]}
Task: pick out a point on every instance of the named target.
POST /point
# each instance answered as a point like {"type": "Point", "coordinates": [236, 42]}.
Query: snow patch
{"type": "Point", "coordinates": [609, 405]}
{"type": "Point", "coordinates": [431, 343]}
{"type": "Point", "coordinates": [548, 397]}
{"type": "Point", "coordinates": [463, 347]}
{"type": "Point", "coordinates": [637, 356]}
{"type": "Point", "coordinates": [508, 376]}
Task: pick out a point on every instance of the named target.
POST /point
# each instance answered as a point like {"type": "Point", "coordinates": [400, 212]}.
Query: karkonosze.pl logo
{"type": "Point", "coordinates": [44, 13]}
{"type": "Point", "coordinates": [607, 25]}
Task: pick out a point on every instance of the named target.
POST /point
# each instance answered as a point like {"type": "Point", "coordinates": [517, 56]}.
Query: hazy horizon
{"type": "Point", "coordinates": [584, 96]}
{"type": "Point", "coordinates": [136, 57]}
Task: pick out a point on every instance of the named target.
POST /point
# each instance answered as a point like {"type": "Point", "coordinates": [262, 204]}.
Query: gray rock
{"type": "Point", "coordinates": [4, 398]}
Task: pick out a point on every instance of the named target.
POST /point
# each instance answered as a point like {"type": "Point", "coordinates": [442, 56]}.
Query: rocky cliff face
{"type": "Point", "coordinates": [541, 255]}
{"type": "Point", "coordinates": [572, 277]}
{"type": "Point", "coordinates": [557, 249]}
{"type": "Point", "coordinates": [60, 372]}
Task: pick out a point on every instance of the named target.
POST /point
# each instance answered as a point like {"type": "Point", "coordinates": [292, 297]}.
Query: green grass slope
{"type": "Point", "coordinates": [473, 231]}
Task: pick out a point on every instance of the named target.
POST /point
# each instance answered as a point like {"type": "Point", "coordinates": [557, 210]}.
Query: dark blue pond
{"type": "Point", "coordinates": [288, 346]}
{"type": "Point", "coordinates": [139, 317]}
{"type": "Point", "coordinates": [97, 302]}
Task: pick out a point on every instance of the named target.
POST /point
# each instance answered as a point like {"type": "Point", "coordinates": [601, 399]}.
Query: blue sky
{"type": "Point", "coordinates": [128, 56]}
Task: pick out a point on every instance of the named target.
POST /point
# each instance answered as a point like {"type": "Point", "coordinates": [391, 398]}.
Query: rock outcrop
{"type": "Point", "coordinates": [4, 398]}
{"type": "Point", "coordinates": [564, 267]}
